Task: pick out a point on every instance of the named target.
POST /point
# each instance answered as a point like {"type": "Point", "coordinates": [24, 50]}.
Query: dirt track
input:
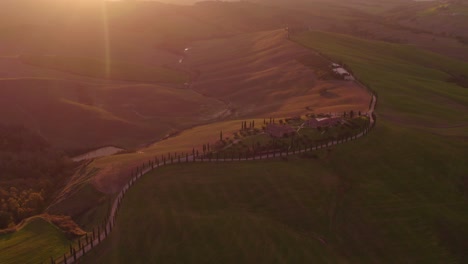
{"type": "Point", "coordinates": [105, 231]}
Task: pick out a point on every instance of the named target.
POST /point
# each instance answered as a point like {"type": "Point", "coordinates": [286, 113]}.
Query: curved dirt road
{"type": "Point", "coordinates": [116, 204]}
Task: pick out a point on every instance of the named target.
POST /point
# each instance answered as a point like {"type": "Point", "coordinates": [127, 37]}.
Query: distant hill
{"type": "Point", "coordinates": [126, 29]}
{"type": "Point", "coordinates": [85, 83]}
{"type": "Point", "coordinates": [441, 17]}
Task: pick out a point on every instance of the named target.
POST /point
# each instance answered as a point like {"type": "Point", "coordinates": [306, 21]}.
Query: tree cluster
{"type": "Point", "coordinates": [31, 171]}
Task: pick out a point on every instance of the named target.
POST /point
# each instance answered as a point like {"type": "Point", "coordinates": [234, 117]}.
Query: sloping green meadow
{"type": "Point", "coordinates": [412, 84]}
{"type": "Point", "coordinates": [36, 242]}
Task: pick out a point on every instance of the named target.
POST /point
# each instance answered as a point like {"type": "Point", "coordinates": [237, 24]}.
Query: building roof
{"type": "Point", "coordinates": [279, 130]}
{"type": "Point", "coordinates": [341, 71]}
{"type": "Point", "coordinates": [326, 121]}
{"type": "Point", "coordinates": [321, 118]}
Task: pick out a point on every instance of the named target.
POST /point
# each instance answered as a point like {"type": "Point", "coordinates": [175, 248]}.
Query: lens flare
{"type": "Point", "coordinates": [107, 48]}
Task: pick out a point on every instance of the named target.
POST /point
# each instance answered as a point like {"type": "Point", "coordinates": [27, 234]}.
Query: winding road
{"type": "Point", "coordinates": [105, 231]}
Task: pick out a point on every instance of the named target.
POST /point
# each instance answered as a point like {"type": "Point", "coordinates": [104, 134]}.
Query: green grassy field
{"type": "Point", "coordinates": [398, 195]}
{"type": "Point", "coordinates": [36, 242]}
{"type": "Point", "coordinates": [412, 85]}
{"type": "Point", "coordinates": [367, 207]}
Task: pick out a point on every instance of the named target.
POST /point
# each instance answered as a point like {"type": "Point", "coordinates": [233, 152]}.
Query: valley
{"type": "Point", "coordinates": [100, 104]}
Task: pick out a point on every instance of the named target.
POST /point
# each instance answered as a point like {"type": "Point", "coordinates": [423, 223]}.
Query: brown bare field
{"type": "Point", "coordinates": [259, 75]}
{"type": "Point", "coordinates": [74, 115]}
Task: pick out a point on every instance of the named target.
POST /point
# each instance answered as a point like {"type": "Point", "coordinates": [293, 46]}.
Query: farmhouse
{"type": "Point", "coordinates": [343, 73]}
{"type": "Point", "coordinates": [278, 131]}
{"type": "Point", "coordinates": [323, 122]}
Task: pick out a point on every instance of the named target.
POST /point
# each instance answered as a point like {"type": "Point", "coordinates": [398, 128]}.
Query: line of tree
{"type": "Point", "coordinates": [88, 241]}
{"type": "Point", "coordinates": [244, 126]}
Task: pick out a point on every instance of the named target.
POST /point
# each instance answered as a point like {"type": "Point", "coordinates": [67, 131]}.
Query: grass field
{"type": "Point", "coordinates": [398, 195]}
{"type": "Point", "coordinates": [34, 243]}
{"type": "Point", "coordinates": [412, 85]}
{"type": "Point", "coordinates": [365, 208]}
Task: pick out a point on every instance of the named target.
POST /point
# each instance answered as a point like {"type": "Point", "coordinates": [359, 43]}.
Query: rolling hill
{"type": "Point", "coordinates": [260, 74]}
{"type": "Point", "coordinates": [440, 17]}
{"type": "Point", "coordinates": [75, 115]}
{"type": "Point", "coordinates": [398, 195]}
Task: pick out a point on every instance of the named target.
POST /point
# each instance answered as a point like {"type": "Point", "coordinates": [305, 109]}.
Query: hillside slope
{"type": "Point", "coordinates": [398, 195]}
{"type": "Point", "coordinates": [261, 73]}
{"type": "Point", "coordinates": [35, 242]}
{"type": "Point", "coordinates": [440, 17]}
{"type": "Point", "coordinates": [74, 115]}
